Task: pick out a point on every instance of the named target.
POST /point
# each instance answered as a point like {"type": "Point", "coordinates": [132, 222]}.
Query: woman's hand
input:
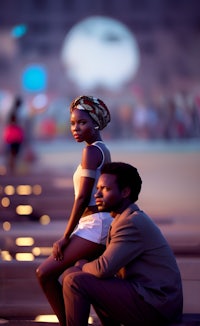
{"type": "Point", "coordinates": [58, 248]}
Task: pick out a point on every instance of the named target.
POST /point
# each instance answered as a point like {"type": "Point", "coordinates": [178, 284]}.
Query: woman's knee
{"type": "Point", "coordinates": [43, 274]}
{"type": "Point", "coordinates": [49, 271]}
{"type": "Point", "coordinates": [40, 273]}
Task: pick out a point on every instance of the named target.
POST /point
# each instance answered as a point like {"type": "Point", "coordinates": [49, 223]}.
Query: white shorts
{"type": "Point", "coordinates": [94, 227]}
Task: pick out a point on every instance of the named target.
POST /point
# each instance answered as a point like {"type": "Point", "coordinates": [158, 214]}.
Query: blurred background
{"type": "Point", "coordinates": [142, 59]}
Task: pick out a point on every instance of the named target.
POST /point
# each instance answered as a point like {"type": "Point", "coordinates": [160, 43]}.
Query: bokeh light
{"type": "Point", "coordinates": [19, 31]}
{"type": "Point", "coordinates": [34, 78]}
{"type": "Point", "coordinates": [100, 52]}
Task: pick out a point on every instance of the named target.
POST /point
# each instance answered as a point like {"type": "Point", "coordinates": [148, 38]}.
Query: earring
{"type": "Point", "coordinates": [96, 127]}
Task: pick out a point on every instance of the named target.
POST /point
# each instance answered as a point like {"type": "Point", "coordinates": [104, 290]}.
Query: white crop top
{"type": "Point", "coordinates": [80, 172]}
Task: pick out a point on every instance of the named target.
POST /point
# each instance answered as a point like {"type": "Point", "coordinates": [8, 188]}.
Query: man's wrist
{"type": "Point", "coordinates": [81, 263]}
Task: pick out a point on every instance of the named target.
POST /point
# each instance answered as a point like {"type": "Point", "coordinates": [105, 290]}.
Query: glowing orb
{"type": "Point", "coordinates": [34, 78]}
{"type": "Point", "coordinates": [100, 52]}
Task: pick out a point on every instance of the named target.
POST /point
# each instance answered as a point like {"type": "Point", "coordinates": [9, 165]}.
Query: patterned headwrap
{"type": "Point", "coordinates": [96, 108]}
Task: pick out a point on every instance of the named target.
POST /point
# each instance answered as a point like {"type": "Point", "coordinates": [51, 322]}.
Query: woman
{"type": "Point", "coordinates": [86, 231]}
{"type": "Point", "coordinates": [13, 136]}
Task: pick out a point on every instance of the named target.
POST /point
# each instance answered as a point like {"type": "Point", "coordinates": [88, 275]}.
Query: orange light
{"type": "Point", "coordinates": [5, 202]}
{"type": "Point", "coordinates": [24, 209]}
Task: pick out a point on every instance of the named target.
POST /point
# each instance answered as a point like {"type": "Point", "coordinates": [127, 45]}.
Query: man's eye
{"type": "Point", "coordinates": [106, 188]}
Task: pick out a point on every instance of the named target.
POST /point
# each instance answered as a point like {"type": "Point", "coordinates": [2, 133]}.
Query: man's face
{"type": "Point", "coordinates": [108, 196]}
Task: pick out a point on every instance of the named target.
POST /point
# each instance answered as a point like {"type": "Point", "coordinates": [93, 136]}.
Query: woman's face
{"type": "Point", "coordinates": [82, 126]}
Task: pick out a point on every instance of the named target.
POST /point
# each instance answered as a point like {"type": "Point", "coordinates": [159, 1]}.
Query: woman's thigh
{"type": "Point", "coordinates": [77, 248]}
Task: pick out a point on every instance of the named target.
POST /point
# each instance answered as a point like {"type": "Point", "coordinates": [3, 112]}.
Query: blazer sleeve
{"type": "Point", "coordinates": [125, 246]}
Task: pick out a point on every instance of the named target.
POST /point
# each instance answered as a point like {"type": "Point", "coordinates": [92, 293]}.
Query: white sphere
{"type": "Point", "coordinates": [100, 52]}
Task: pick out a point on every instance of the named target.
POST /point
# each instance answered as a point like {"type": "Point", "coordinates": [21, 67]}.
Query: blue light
{"type": "Point", "coordinates": [34, 78]}
{"type": "Point", "coordinates": [19, 31]}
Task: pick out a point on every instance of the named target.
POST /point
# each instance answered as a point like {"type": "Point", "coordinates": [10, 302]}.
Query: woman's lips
{"type": "Point", "coordinates": [76, 136]}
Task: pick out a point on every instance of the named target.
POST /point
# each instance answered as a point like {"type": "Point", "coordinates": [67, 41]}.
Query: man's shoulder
{"type": "Point", "coordinates": [128, 215]}
{"type": "Point", "coordinates": [130, 212]}
{"type": "Point", "coordinates": [132, 215]}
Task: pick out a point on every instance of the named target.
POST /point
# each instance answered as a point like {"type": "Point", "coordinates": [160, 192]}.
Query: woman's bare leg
{"type": "Point", "coordinates": [49, 271]}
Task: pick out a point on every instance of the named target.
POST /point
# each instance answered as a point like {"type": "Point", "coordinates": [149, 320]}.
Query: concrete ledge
{"type": "Point", "coordinates": [187, 320]}
{"type": "Point", "coordinates": [25, 323]}
{"type": "Point", "coordinates": [190, 274]}
{"type": "Point", "coordinates": [21, 294]}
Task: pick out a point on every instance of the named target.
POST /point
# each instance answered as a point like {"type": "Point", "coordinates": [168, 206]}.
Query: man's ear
{"type": "Point", "coordinates": [126, 192]}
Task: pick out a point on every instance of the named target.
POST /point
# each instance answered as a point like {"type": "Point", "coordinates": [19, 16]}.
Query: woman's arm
{"type": "Point", "coordinates": [80, 204]}
{"type": "Point", "coordinates": [91, 159]}
{"type": "Point", "coordinates": [78, 208]}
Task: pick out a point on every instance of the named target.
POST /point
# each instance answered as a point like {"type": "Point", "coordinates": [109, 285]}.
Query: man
{"type": "Point", "coordinates": [136, 280]}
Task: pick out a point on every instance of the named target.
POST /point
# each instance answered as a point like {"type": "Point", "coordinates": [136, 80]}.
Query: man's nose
{"type": "Point", "coordinates": [97, 194]}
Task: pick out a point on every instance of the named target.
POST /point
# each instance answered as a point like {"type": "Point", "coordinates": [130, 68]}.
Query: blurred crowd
{"type": "Point", "coordinates": [173, 117]}
{"type": "Point", "coordinates": [133, 116]}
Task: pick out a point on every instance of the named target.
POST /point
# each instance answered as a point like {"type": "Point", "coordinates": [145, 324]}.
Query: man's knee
{"type": "Point", "coordinates": [73, 280]}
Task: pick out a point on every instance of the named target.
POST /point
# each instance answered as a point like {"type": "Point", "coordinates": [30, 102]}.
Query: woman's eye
{"type": "Point", "coordinates": [82, 123]}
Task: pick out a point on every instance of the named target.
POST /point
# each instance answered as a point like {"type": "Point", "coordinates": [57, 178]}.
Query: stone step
{"type": "Point", "coordinates": [21, 294]}
{"type": "Point", "coordinates": [55, 213]}
{"type": "Point", "coordinates": [25, 323]}
{"type": "Point", "coordinates": [55, 200]}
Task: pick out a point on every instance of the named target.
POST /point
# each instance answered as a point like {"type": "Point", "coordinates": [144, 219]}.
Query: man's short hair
{"type": "Point", "coordinates": [126, 176]}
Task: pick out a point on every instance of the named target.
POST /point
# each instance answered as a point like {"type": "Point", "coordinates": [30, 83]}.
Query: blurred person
{"type": "Point", "coordinates": [140, 120]}
{"type": "Point", "coordinates": [125, 121]}
{"type": "Point", "coordinates": [86, 231]}
{"type": "Point", "coordinates": [13, 136]}
{"type": "Point", "coordinates": [136, 281]}
{"type": "Point", "coordinates": [174, 122]}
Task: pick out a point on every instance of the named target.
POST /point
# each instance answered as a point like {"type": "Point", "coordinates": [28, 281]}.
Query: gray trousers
{"type": "Point", "coordinates": [114, 300]}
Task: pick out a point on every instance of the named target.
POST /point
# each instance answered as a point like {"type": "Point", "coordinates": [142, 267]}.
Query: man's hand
{"type": "Point", "coordinates": [80, 263]}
